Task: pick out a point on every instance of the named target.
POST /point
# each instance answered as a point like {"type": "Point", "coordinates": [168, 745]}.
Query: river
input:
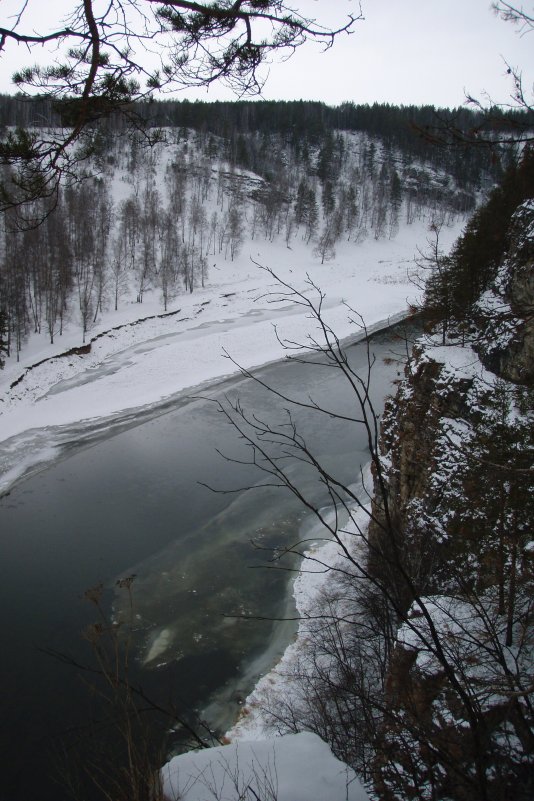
{"type": "Point", "coordinates": [131, 505]}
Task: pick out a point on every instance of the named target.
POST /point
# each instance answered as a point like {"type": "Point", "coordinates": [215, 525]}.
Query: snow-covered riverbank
{"type": "Point", "coordinates": [313, 592]}
{"type": "Point", "coordinates": [147, 358]}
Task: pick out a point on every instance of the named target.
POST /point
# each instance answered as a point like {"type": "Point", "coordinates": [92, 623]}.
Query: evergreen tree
{"type": "Point", "coordinates": [328, 198]}
{"type": "Point", "coordinates": [395, 203]}
{"type": "Point", "coordinates": [3, 337]}
{"type": "Point", "coordinates": [477, 254]}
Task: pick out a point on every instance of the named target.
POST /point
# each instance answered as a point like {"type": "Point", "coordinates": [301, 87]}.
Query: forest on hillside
{"type": "Point", "coordinates": [409, 128]}
{"type": "Point", "coordinates": [200, 179]}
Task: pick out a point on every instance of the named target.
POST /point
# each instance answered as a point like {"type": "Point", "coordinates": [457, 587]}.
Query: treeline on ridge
{"type": "Point", "coordinates": [305, 123]}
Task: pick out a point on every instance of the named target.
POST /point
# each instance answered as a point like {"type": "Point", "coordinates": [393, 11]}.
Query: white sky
{"type": "Point", "coordinates": [403, 51]}
{"type": "Point", "coordinates": [411, 51]}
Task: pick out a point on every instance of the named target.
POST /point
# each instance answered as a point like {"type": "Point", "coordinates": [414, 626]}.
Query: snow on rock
{"type": "Point", "coordinates": [451, 617]}
{"type": "Point", "coordinates": [503, 313]}
{"type": "Point", "coordinates": [296, 767]}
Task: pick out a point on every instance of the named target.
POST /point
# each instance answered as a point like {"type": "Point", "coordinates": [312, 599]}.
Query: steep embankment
{"type": "Point", "coordinates": [455, 534]}
{"type": "Point", "coordinates": [504, 314]}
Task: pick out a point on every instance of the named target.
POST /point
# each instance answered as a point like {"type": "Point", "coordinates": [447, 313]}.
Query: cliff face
{"type": "Point", "coordinates": [457, 454]}
{"type": "Point", "coordinates": [463, 415]}
{"type": "Point", "coordinates": [505, 313]}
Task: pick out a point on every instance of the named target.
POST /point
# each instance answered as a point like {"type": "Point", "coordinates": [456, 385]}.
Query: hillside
{"type": "Point", "coordinates": [179, 228]}
{"type": "Point", "coordinates": [171, 205]}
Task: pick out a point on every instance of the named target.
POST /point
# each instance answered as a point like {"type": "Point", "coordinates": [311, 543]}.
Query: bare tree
{"type": "Point", "coordinates": [433, 275]}
{"type": "Point", "coordinates": [58, 277]}
{"type": "Point", "coordinates": [168, 268]}
{"type": "Point", "coordinates": [150, 223]}
{"type": "Point", "coordinates": [118, 756]}
{"type": "Point", "coordinates": [325, 248]}
{"type": "Point", "coordinates": [118, 268]}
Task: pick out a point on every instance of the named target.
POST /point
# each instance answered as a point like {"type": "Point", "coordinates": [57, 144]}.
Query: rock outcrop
{"type": "Point", "coordinates": [505, 313]}
{"type": "Point", "coordinates": [457, 458]}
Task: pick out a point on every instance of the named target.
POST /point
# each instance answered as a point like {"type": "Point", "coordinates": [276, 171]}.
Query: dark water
{"type": "Point", "coordinates": [132, 504]}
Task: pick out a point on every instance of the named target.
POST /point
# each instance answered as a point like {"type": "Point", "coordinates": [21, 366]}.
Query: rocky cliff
{"type": "Point", "coordinates": [504, 314]}
{"type": "Point", "coordinates": [457, 456]}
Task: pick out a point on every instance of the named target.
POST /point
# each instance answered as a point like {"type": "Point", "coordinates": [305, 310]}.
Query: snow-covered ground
{"type": "Point", "coordinates": [143, 362]}
{"type": "Point", "coordinates": [297, 767]}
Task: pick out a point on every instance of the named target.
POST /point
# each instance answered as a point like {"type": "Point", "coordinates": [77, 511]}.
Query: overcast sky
{"type": "Point", "coordinates": [403, 51]}
{"type": "Point", "coordinates": [410, 51]}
